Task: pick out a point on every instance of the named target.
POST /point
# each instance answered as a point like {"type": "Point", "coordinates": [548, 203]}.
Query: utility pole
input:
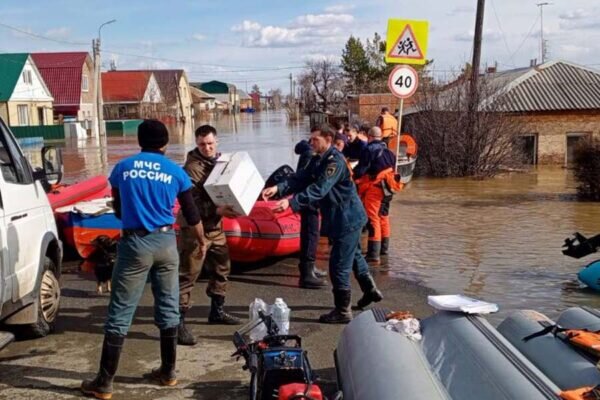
{"type": "Point", "coordinates": [96, 125]}
{"type": "Point", "coordinates": [542, 43]}
{"type": "Point", "coordinates": [291, 88]}
{"type": "Point", "coordinates": [477, 47]}
{"type": "Point", "coordinates": [98, 66]}
{"type": "Point", "coordinates": [473, 95]}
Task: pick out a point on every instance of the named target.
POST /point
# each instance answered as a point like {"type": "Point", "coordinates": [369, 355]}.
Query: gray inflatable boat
{"type": "Point", "coordinates": [463, 357]}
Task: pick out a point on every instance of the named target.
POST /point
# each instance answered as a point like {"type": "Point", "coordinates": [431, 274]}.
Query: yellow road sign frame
{"type": "Point", "coordinates": [417, 51]}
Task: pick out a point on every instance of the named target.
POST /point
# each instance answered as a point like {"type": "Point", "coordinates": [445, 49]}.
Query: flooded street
{"type": "Point", "coordinates": [498, 240]}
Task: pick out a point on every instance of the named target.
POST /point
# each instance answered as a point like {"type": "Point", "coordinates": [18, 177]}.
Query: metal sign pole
{"type": "Point", "coordinates": [400, 109]}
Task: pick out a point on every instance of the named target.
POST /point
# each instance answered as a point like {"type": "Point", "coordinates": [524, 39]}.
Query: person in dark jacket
{"type": "Point", "coordinates": [343, 217]}
{"type": "Point", "coordinates": [144, 188]}
{"type": "Point", "coordinates": [375, 160]}
{"type": "Point", "coordinates": [309, 225]}
{"type": "Point", "coordinates": [354, 148]}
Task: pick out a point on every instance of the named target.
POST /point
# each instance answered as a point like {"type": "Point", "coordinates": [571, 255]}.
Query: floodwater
{"type": "Point", "coordinates": [498, 240]}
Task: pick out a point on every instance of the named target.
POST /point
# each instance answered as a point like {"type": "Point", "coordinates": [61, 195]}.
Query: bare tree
{"type": "Point", "coordinates": [323, 83]}
{"type": "Point", "coordinates": [440, 121]}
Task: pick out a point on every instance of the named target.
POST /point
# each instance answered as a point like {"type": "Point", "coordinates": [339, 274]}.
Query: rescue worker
{"type": "Point", "coordinates": [342, 217]}
{"type": "Point", "coordinates": [199, 164]}
{"type": "Point", "coordinates": [375, 177]}
{"type": "Point", "coordinates": [388, 125]}
{"type": "Point", "coordinates": [144, 188]}
{"type": "Point", "coordinates": [309, 225]}
{"type": "Point", "coordinates": [355, 145]}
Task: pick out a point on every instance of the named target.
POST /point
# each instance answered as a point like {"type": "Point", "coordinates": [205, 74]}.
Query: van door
{"type": "Point", "coordinates": [23, 201]}
{"type": "Point", "coordinates": [5, 280]}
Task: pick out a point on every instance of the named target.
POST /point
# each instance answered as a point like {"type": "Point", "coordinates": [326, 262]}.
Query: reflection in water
{"type": "Point", "coordinates": [497, 239]}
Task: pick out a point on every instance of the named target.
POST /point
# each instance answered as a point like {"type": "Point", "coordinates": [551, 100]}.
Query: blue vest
{"type": "Point", "coordinates": [148, 185]}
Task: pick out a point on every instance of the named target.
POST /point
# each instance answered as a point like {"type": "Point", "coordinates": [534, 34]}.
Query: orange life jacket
{"type": "Point", "coordinates": [365, 183]}
{"type": "Point", "coordinates": [585, 393]}
{"type": "Point", "coordinates": [389, 125]}
{"type": "Point", "coordinates": [587, 341]}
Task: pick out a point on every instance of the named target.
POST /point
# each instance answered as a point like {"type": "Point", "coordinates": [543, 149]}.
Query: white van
{"type": "Point", "coordinates": [31, 252]}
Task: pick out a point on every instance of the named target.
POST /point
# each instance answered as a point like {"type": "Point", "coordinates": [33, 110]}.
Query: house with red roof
{"type": "Point", "coordinates": [70, 79]}
{"type": "Point", "coordinates": [131, 95]}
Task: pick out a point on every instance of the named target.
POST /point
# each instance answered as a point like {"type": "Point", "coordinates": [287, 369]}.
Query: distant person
{"type": "Point", "coordinates": [310, 275]}
{"type": "Point", "coordinates": [199, 164]}
{"type": "Point", "coordinates": [388, 125]}
{"type": "Point", "coordinates": [356, 145]}
{"type": "Point", "coordinates": [343, 217]}
{"type": "Point", "coordinates": [339, 128]}
{"type": "Point", "coordinates": [339, 142]}
{"type": "Point", "coordinates": [376, 181]}
{"type": "Point", "coordinates": [144, 188]}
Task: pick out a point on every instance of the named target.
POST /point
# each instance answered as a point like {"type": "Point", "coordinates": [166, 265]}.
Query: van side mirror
{"type": "Point", "coordinates": [52, 164]}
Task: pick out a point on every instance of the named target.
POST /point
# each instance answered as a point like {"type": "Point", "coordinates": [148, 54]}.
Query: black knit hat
{"type": "Point", "coordinates": [152, 134]}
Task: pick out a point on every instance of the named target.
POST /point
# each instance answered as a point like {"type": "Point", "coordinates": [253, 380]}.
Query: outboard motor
{"type": "Point", "coordinates": [278, 365]}
{"type": "Point", "coordinates": [579, 246]}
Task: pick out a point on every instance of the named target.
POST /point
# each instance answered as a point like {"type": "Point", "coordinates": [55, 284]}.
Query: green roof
{"type": "Point", "coordinates": [11, 66]}
{"type": "Point", "coordinates": [214, 87]}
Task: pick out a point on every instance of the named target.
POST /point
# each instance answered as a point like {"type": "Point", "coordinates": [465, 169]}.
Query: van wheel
{"type": "Point", "coordinates": [48, 302]}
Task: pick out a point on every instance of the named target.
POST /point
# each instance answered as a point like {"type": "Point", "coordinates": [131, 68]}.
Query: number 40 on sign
{"type": "Point", "coordinates": [403, 81]}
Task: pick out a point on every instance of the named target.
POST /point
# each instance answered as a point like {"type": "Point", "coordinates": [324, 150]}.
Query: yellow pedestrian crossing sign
{"type": "Point", "coordinates": [406, 41]}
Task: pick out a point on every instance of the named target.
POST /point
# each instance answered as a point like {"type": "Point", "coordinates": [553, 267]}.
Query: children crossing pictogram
{"type": "Point", "coordinates": [406, 46]}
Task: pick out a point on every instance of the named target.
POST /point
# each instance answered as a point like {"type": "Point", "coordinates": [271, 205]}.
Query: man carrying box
{"type": "Point", "coordinates": [199, 164]}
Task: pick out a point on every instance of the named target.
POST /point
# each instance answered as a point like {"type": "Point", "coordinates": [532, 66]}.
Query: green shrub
{"type": "Point", "coordinates": [586, 163]}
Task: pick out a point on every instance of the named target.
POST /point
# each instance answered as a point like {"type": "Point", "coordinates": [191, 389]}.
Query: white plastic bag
{"type": "Point", "coordinates": [409, 327]}
{"type": "Point", "coordinates": [260, 331]}
{"type": "Point", "coordinates": [281, 315]}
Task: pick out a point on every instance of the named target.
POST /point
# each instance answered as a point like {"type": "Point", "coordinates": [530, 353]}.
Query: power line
{"type": "Point", "coordinates": [526, 36]}
{"type": "Point", "coordinates": [35, 35]}
{"type": "Point", "coordinates": [503, 35]}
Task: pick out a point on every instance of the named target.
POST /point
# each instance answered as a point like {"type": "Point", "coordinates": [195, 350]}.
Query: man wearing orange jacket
{"type": "Point", "coordinates": [388, 125]}
{"type": "Point", "coordinates": [375, 177]}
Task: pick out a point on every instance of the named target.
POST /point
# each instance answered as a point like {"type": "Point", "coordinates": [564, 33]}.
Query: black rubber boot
{"type": "Point", "coordinates": [385, 246]}
{"type": "Point", "coordinates": [370, 292]}
{"type": "Point", "coordinates": [184, 336]}
{"type": "Point", "coordinates": [101, 387]}
{"type": "Point", "coordinates": [373, 251]}
{"type": "Point", "coordinates": [341, 314]}
{"type": "Point", "coordinates": [165, 374]}
{"type": "Point", "coordinates": [308, 278]}
{"type": "Point", "coordinates": [217, 313]}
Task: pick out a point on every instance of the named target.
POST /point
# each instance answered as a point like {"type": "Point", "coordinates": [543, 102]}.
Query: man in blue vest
{"type": "Point", "coordinates": [144, 188]}
{"type": "Point", "coordinates": [343, 218]}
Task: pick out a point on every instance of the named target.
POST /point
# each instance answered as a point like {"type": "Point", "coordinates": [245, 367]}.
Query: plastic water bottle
{"type": "Point", "coordinates": [261, 330]}
{"type": "Point", "coordinates": [281, 316]}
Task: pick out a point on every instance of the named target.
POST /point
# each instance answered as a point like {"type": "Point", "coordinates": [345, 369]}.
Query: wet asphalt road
{"type": "Point", "coordinates": [53, 367]}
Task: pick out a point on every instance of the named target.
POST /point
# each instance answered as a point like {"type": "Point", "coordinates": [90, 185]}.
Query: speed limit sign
{"type": "Point", "coordinates": [403, 81]}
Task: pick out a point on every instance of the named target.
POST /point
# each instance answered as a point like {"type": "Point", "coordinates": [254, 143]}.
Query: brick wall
{"type": "Point", "coordinates": [552, 130]}
{"type": "Point", "coordinates": [367, 107]}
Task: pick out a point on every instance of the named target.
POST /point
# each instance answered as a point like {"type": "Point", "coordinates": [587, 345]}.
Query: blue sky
{"type": "Point", "coordinates": [249, 42]}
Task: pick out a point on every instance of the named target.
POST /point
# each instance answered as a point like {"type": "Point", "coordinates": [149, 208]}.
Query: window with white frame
{"type": "Point", "coordinates": [23, 114]}
{"type": "Point", "coordinates": [27, 77]}
{"type": "Point", "coordinates": [85, 83]}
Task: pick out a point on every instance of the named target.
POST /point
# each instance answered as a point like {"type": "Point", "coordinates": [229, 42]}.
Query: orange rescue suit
{"type": "Point", "coordinates": [389, 125]}
{"type": "Point", "coordinates": [371, 193]}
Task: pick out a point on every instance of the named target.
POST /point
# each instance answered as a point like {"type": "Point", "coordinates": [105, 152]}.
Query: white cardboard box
{"type": "Point", "coordinates": [235, 182]}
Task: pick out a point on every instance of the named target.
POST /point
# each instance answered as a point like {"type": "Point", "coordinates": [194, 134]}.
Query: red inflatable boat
{"type": "Point", "coordinates": [260, 235]}
{"type": "Point", "coordinates": [263, 233]}
{"type": "Point", "coordinates": [89, 189]}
